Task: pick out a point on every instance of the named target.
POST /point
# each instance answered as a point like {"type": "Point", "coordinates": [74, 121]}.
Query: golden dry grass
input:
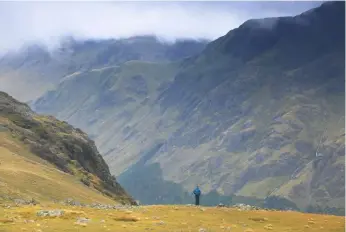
{"type": "Point", "coordinates": [25, 176]}
{"type": "Point", "coordinates": [165, 219]}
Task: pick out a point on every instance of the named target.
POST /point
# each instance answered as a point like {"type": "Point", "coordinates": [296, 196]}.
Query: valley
{"type": "Point", "coordinates": [255, 115]}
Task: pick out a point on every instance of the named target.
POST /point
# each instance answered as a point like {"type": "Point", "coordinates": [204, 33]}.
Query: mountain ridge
{"type": "Point", "coordinates": [53, 147]}
{"type": "Point", "coordinates": [245, 116]}
{"type": "Point", "coordinates": [45, 67]}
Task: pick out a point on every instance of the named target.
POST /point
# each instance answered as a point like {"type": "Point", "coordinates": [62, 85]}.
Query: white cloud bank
{"type": "Point", "coordinates": [23, 22]}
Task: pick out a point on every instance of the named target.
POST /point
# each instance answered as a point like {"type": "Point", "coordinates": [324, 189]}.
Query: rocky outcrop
{"type": "Point", "coordinates": [68, 148]}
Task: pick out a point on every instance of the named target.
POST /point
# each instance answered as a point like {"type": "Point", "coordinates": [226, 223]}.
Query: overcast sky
{"type": "Point", "coordinates": [22, 22]}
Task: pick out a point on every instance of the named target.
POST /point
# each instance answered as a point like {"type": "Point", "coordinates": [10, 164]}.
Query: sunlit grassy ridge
{"type": "Point", "coordinates": [46, 159]}
{"type": "Point", "coordinates": [166, 218]}
{"type": "Point", "coordinates": [25, 176]}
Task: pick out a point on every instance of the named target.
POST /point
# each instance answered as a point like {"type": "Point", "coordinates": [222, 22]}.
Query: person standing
{"type": "Point", "coordinates": [197, 192]}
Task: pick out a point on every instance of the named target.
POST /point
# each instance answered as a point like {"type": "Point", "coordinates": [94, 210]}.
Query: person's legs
{"type": "Point", "coordinates": [197, 200]}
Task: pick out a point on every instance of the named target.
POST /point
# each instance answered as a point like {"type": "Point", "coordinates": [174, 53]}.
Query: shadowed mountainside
{"type": "Point", "coordinates": [258, 113]}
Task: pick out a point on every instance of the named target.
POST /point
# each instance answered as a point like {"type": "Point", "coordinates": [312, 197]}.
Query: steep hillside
{"type": "Point", "coordinates": [258, 114]}
{"type": "Point", "coordinates": [46, 159]}
{"type": "Point", "coordinates": [35, 69]}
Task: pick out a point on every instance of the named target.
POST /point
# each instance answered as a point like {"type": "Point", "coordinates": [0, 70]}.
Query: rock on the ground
{"type": "Point", "coordinates": [50, 213]}
{"type": "Point", "coordinates": [244, 207]}
{"type": "Point", "coordinates": [83, 220]}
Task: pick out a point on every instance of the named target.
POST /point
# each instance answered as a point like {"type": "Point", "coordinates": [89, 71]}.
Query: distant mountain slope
{"type": "Point", "coordinates": [46, 159]}
{"type": "Point", "coordinates": [35, 69]}
{"type": "Point", "coordinates": [258, 113]}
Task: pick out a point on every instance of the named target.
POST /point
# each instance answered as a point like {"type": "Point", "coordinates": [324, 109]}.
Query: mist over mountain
{"type": "Point", "coordinates": [24, 23]}
{"type": "Point", "coordinates": [254, 115]}
{"type": "Point", "coordinates": [35, 68]}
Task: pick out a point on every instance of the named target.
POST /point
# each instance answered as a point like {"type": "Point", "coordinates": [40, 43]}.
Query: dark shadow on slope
{"type": "Point", "coordinates": [145, 183]}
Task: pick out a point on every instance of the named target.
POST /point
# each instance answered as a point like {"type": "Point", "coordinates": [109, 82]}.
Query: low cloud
{"type": "Point", "coordinates": [26, 22]}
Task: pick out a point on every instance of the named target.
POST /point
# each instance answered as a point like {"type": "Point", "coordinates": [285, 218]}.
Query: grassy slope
{"type": "Point", "coordinates": [168, 218]}
{"type": "Point", "coordinates": [24, 175]}
{"type": "Point", "coordinates": [40, 155]}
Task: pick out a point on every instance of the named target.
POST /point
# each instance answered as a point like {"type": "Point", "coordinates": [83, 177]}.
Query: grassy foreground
{"type": "Point", "coordinates": [164, 218]}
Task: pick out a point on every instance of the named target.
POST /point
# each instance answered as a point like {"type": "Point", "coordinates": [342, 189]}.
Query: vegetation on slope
{"type": "Point", "coordinates": [249, 116]}
{"type": "Point", "coordinates": [165, 218]}
{"type": "Point", "coordinates": [47, 159]}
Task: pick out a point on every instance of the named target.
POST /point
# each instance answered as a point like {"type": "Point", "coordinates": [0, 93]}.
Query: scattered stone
{"type": "Point", "coordinates": [50, 213]}
{"type": "Point", "coordinates": [83, 220]}
{"type": "Point", "coordinates": [29, 221]}
{"type": "Point", "coordinates": [221, 205]}
{"type": "Point", "coordinates": [19, 202]}
{"type": "Point", "coordinates": [244, 207]}
{"type": "Point", "coordinates": [258, 219]}
{"type": "Point", "coordinates": [202, 230]}
{"type": "Point", "coordinates": [268, 227]}
{"type": "Point", "coordinates": [160, 223]}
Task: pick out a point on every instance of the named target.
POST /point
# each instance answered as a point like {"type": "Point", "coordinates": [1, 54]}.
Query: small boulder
{"type": "Point", "coordinates": [50, 213]}
{"type": "Point", "coordinates": [83, 220]}
{"type": "Point", "coordinates": [160, 223]}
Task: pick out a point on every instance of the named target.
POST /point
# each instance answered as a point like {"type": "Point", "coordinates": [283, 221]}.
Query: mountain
{"type": "Point", "coordinates": [35, 68]}
{"type": "Point", "coordinates": [47, 159]}
{"type": "Point", "coordinates": [257, 116]}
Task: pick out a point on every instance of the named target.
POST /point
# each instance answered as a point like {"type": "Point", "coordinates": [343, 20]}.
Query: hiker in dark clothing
{"type": "Point", "coordinates": [197, 192]}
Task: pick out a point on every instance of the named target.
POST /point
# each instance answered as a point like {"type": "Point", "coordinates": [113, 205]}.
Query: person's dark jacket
{"type": "Point", "coordinates": [197, 191]}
